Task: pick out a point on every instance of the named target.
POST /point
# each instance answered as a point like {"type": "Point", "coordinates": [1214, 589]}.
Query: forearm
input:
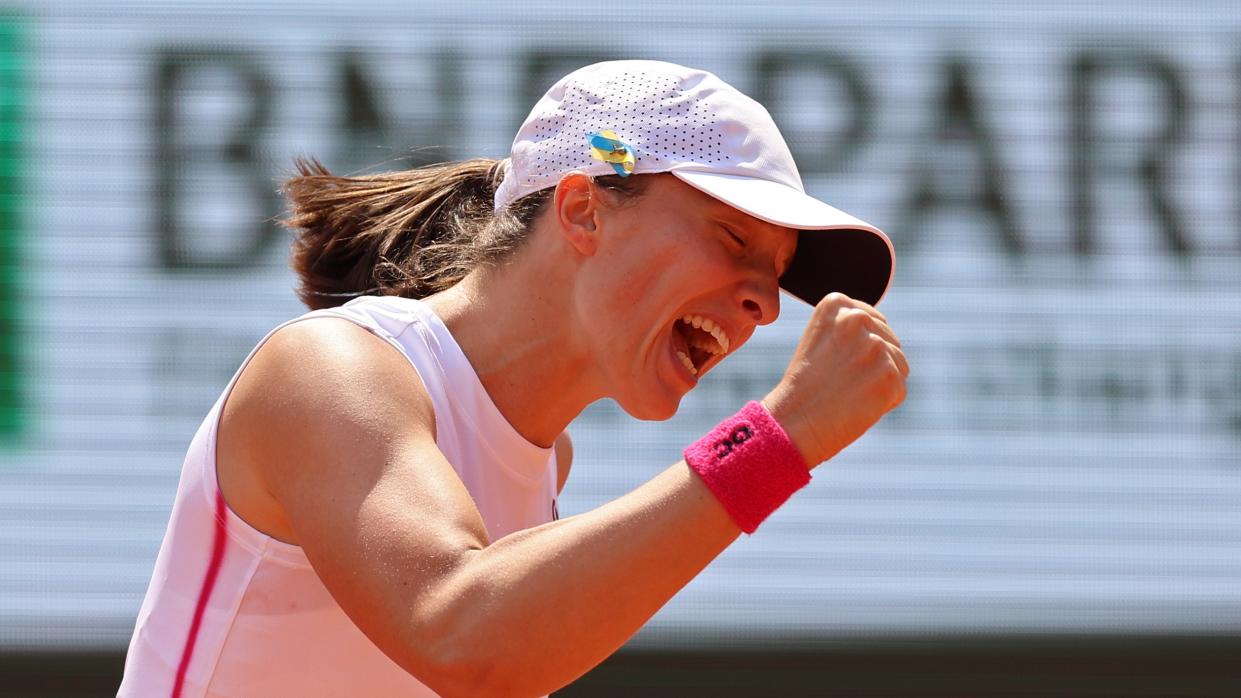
{"type": "Point", "coordinates": [538, 608]}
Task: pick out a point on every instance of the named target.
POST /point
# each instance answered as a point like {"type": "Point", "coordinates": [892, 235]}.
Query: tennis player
{"type": "Point", "coordinates": [369, 509]}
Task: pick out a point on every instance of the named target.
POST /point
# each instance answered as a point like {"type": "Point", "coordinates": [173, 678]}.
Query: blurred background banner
{"type": "Point", "coordinates": [1062, 183]}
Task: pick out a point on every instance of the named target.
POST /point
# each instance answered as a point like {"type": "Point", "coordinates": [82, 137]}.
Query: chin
{"type": "Point", "coordinates": [651, 409]}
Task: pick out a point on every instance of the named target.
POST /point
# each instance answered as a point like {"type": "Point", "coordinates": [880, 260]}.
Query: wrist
{"type": "Point", "coordinates": [749, 464]}
{"type": "Point", "coordinates": [794, 427]}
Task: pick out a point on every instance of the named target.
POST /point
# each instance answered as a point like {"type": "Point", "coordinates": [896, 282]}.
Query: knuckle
{"type": "Point", "coordinates": [898, 380]}
{"type": "Point", "coordinates": [853, 318]}
{"type": "Point", "coordinates": [833, 299]}
{"type": "Point", "coordinates": [887, 369]}
{"type": "Point", "coordinates": [903, 362]}
{"type": "Point", "coordinates": [892, 375]}
{"type": "Point", "coordinates": [876, 347]}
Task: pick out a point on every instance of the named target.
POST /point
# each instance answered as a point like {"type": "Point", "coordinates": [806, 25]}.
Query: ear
{"type": "Point", "coordinates": [576, 208]}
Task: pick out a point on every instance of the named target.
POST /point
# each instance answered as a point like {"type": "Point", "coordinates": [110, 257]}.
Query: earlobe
{"type": "Point", "coordinates": [576, 210]}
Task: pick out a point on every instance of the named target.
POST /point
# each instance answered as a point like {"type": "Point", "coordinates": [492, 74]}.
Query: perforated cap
{"type": "Point", "coordinates": [711, 136]}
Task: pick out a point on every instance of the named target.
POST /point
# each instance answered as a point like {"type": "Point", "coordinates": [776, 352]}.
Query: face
{"type": "Point", "coordinates": [678, 280]}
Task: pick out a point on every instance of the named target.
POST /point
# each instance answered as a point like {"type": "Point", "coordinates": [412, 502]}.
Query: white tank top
{"type": "Point", "coordinates": [231, 611]}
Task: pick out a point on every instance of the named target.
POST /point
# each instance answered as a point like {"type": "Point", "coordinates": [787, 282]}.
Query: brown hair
{"type": "Point", "coordinates": [409, 233]}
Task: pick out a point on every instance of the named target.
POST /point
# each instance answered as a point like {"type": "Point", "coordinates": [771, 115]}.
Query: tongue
{"type": "Point", "coordinates": [699, 357]}
{"type": "Point", "coordinates": [680, 340]}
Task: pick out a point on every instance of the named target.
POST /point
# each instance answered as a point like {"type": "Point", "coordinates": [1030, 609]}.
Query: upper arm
{"type": "Point", "coordinates": [564, 459]}
{"type": "Point", "coordinates": [340, 430]}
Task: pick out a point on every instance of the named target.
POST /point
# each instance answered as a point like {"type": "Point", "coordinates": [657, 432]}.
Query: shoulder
{"type": "Point", "coordinates": [331, 353]}
{"type": "Point", "coordinates": [320, 393]}
{"type": "Point", "coordinates": [324, 383]}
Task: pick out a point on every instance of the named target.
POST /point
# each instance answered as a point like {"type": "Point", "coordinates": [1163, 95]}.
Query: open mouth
{"type": "Point", "coordinates": [699, 343]}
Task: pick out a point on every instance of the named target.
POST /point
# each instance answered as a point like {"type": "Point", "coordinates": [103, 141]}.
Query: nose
{"type": "Point", "coordinates": [760, 298]}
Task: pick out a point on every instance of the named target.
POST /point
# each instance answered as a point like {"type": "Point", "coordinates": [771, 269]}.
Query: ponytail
{"type": "Point", "coordinates": [410, 233]}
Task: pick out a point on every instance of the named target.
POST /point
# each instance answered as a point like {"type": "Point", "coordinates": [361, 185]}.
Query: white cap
{"type": "Point", "coordinates": [714, 138]}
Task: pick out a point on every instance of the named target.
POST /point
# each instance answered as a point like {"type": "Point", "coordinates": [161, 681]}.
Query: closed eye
{"type": "Point", "coordinates": [736, 237]}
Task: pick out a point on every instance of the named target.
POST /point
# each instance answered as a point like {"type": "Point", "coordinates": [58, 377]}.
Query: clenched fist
{"type": "Point", "coordinates": [847, 372]}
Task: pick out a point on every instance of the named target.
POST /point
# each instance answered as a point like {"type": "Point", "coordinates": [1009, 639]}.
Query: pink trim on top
{"type": "Point", "coordinates": [213, 571]}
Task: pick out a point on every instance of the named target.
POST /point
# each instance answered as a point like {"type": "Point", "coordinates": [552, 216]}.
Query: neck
{"type": "Point", "coordinates": [517, 332]}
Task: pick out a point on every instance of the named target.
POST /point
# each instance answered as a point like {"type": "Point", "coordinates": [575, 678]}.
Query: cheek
{"type": "Point", "coordinates": [638, 277]}
{"type": "Point", "coordinates": [652, 273]}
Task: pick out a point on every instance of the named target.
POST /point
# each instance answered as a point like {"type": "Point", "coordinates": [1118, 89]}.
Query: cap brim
{"type": "Point", "coordinates": [835, 251]}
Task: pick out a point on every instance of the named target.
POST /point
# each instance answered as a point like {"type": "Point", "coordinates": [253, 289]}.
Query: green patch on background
{"type": "Point", "coordinates": [12, 112]}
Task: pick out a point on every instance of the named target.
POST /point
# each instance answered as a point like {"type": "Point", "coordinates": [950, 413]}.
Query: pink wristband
{"type": "Point", "coordinates": [749, 464]}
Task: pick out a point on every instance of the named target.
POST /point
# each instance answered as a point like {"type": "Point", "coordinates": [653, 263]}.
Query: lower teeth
{"type": "Point", "coordinates": [689, 365]}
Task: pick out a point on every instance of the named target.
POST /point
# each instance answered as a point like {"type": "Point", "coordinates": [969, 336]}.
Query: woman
{"type": "Point", "coordinates": [348, 526]}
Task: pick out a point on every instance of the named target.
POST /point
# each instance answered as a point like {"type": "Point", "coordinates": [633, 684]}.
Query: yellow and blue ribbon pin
{"type": "Point", "coordinates": [607, 146]}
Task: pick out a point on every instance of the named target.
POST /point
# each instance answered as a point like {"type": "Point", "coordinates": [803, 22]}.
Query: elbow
{"type": "Point", "coordinates": [448, 669]}
{"type": "Point", "coordinates": [464, 657]}
{"type": "Point", "coordinates": [466, 651]}
{"type": "Point", "coordinates": [458, 670]}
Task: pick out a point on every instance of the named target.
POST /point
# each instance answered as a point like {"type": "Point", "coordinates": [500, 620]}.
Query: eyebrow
{"type": "Point", "coordinates": [728, 216]}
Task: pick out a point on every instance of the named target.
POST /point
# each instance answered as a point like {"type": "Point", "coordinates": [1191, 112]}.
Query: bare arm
{"type": "Point", "coordinates": [340, 431]}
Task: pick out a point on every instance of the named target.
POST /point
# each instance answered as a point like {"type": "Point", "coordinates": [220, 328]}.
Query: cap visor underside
{"type": "Point", "coordinates": [835, 251]}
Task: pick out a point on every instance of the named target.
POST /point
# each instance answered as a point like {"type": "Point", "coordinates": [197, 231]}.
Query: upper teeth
{"type": "Point", "coordinates": [706, 325]}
